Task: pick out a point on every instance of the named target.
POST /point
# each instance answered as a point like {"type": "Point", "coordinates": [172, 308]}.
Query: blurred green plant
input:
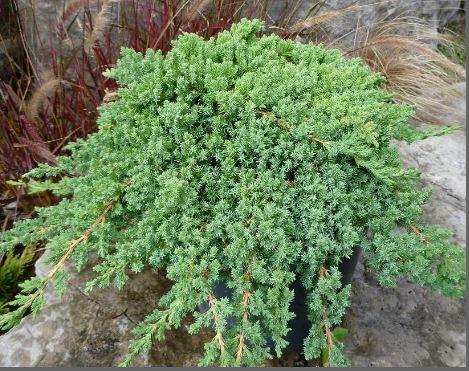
{"type": "Point", "coordinates": [13, 268]}
{"type": "Point", "coordinates": [455, 50]}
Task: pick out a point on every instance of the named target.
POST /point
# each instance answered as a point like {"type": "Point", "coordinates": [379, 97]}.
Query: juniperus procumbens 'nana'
{"type": "Point", "coordinates": [251, 160]}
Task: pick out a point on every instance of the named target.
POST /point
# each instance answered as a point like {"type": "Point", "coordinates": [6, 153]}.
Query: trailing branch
{"type": "Point", "coordinates": [74, 243]}
{"type": "Point", "coordinates": [241, 344]}
{"type": "Point", "coordinates": [219, 337]}
{"type": "Point", "coordinates": [325, 320]}
{"type": "Point", "coordinates": [35, 287]}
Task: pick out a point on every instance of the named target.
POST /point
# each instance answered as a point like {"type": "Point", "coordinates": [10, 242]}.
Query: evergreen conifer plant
{"type": "Point", "coordinates": [251, 160]}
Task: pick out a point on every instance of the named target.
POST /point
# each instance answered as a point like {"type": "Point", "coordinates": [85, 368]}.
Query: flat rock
{"type": "Point", "coordinates": [94, 330]}
{"type": "Point", "coordinates": [410, 325]}
{"type": "Point", "coordinates": [404, 326]}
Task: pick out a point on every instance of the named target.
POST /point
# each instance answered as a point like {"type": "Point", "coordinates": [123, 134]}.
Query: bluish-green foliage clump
{"type": "Point", "coordinates": [252, 160]}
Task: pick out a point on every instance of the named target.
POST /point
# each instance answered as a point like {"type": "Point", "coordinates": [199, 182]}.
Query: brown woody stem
{"type": "Point", "coordinates": [212, 301]}
{"type": "Point", "coordinates": [418, 233]}
{"type": "Point", "coordinates": [330, 342]}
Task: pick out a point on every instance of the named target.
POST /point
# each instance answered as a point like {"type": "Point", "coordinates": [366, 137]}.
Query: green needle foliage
{"type": "Point", "coordinates": [251, 160]}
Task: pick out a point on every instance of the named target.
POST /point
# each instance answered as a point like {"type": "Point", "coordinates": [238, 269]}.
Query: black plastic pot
{"type": "Point", "coordinates": [300, 324]}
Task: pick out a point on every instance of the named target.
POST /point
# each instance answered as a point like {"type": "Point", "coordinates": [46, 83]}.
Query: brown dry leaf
{"type": "Point", "coordinates": [110, 96]}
